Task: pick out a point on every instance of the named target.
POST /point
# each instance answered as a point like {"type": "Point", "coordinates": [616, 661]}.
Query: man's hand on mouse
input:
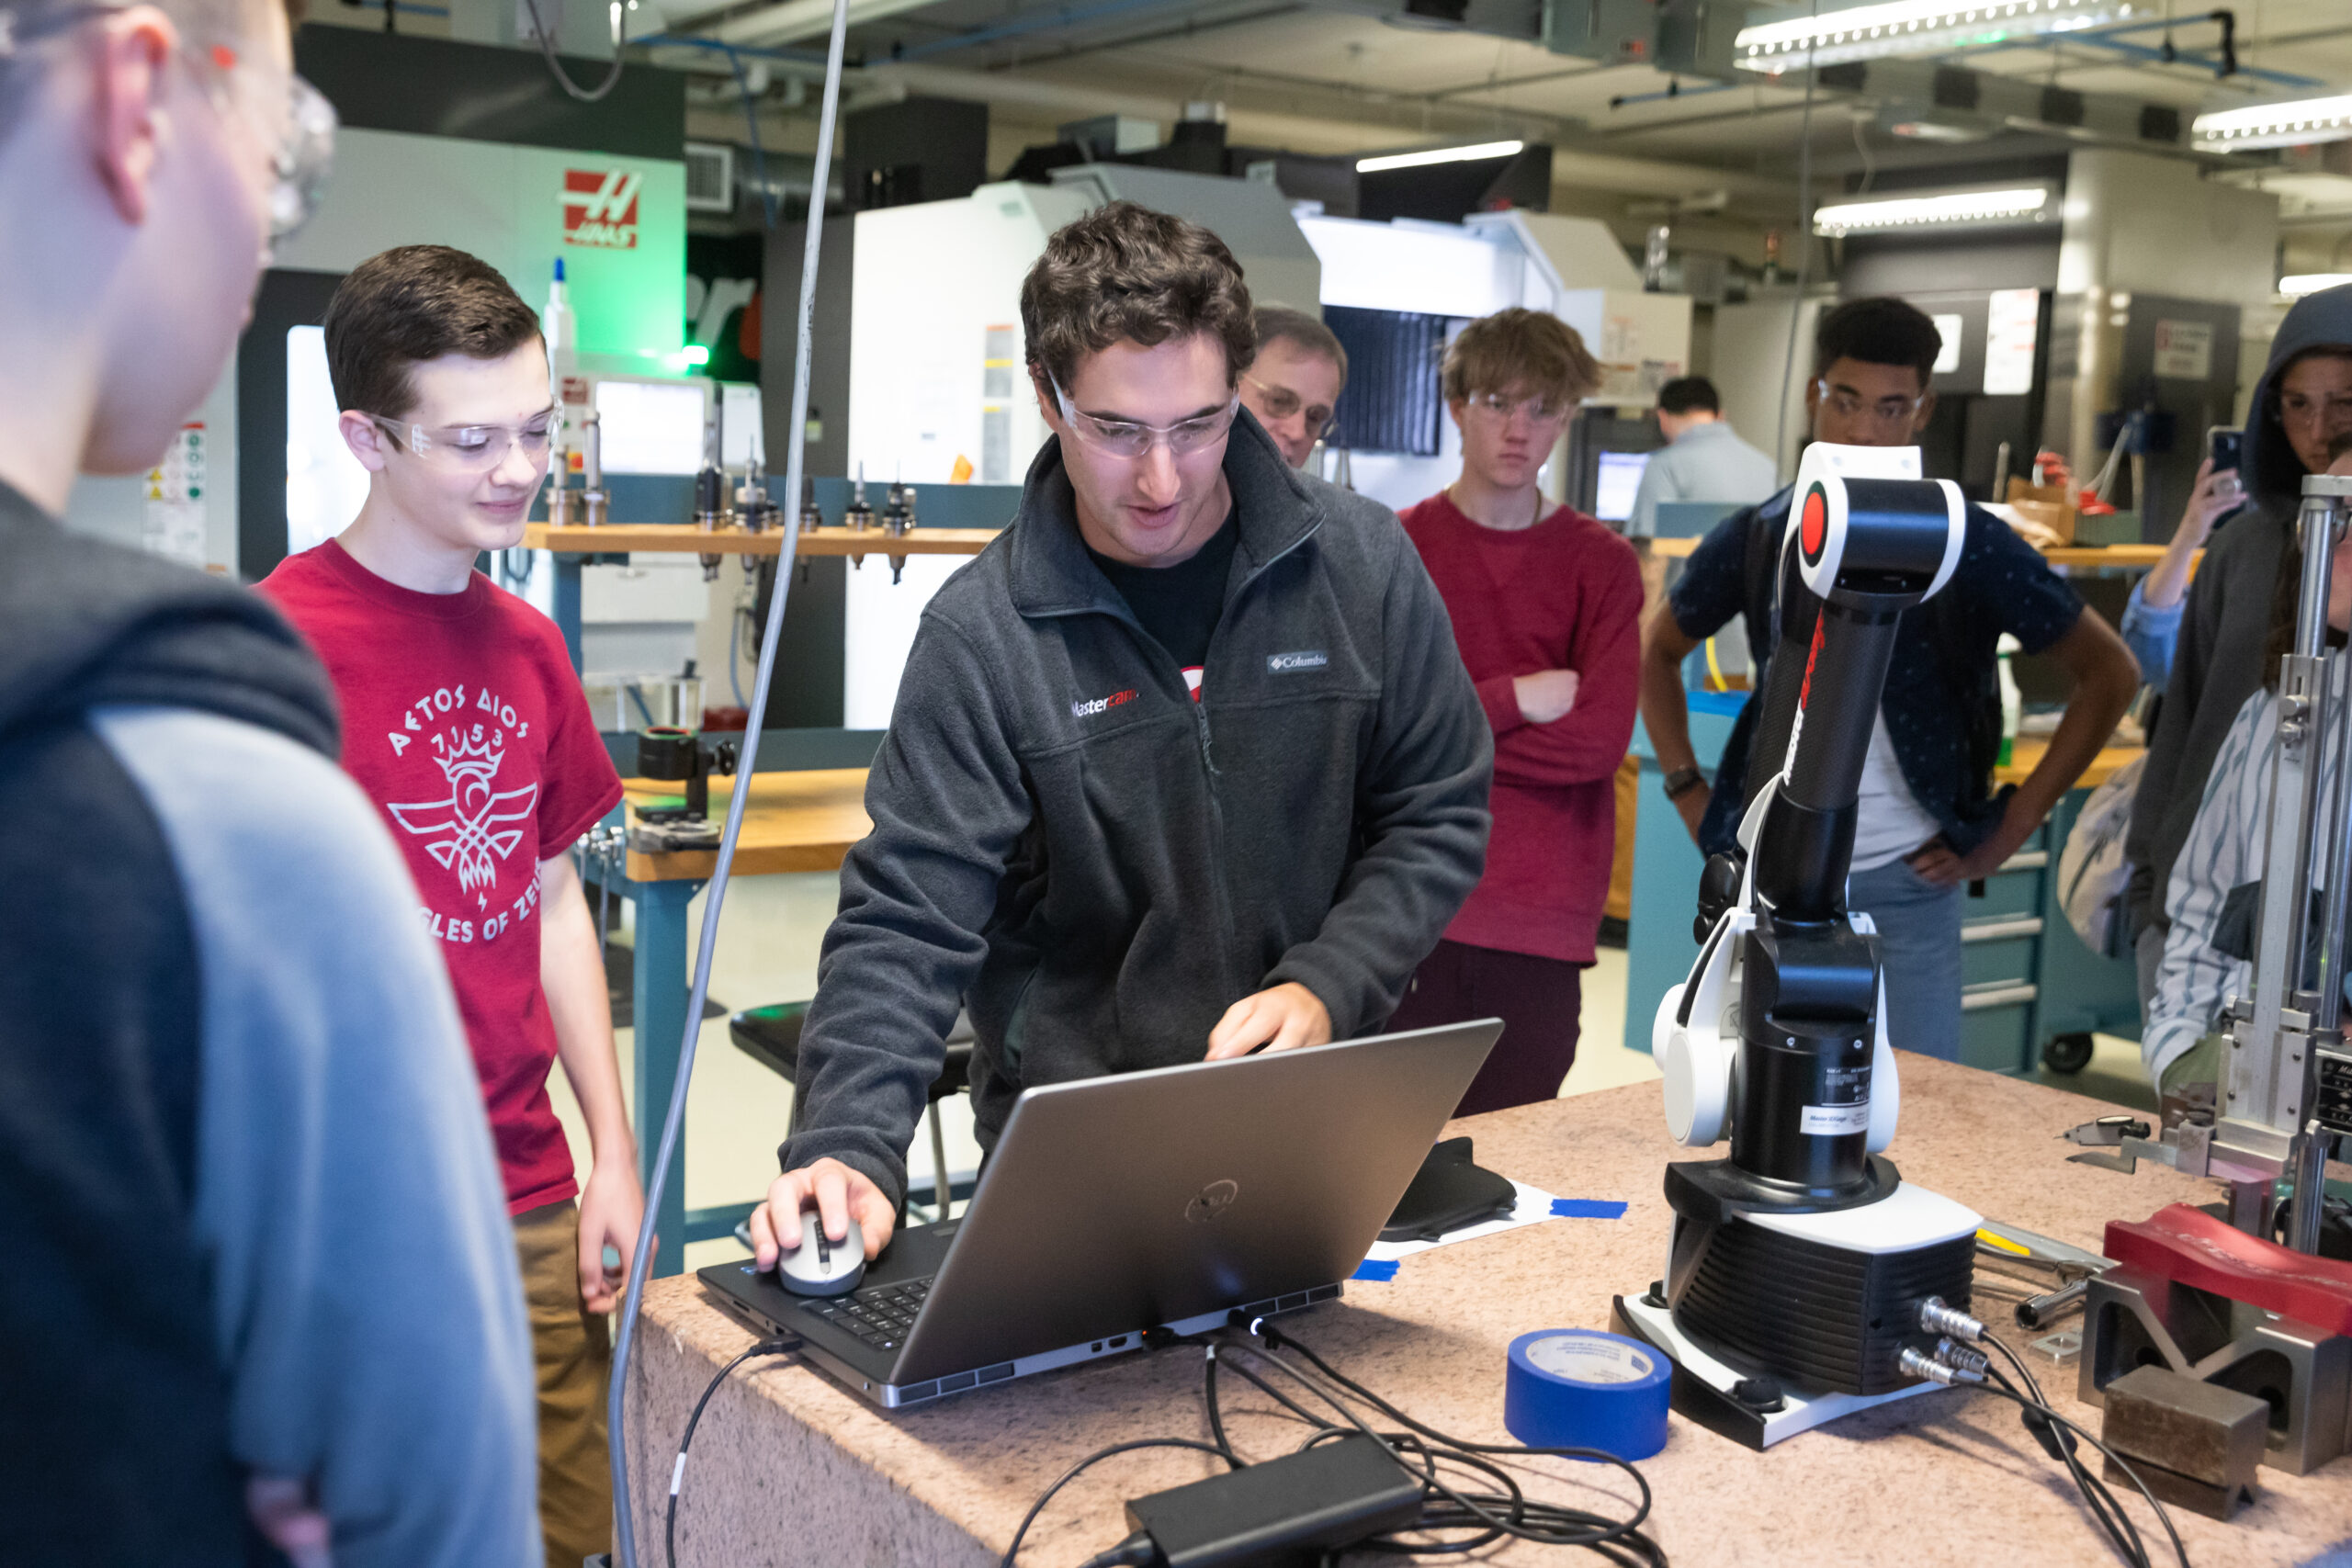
{"type": "Point", "coordinates": [840, 1194]}
{"type": "Point", "coordinates": [1281, 1018]}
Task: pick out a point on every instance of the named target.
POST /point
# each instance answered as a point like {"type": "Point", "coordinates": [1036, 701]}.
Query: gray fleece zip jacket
{"type": "Point", "coordinates": [2226, 625]}
{"type": "Point", "coordinates": [1097, 864]}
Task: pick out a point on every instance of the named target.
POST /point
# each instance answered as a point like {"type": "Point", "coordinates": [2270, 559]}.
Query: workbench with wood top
{"type": "Point", "coordinates": [789, 1468]}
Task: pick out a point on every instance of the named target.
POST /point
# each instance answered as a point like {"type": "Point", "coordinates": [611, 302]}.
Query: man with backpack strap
{"type": "Point", "coordinates": [1929, 822]}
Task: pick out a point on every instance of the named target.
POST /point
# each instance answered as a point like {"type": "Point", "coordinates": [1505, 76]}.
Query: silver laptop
{"type": "Point", "coordinates": [1114, 1206]}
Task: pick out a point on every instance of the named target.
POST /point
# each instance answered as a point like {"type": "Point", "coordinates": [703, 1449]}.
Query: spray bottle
{"type": "Point", "coordinates": [2012, 704]}
{"type": "Point", "coordinates": [560, 331]}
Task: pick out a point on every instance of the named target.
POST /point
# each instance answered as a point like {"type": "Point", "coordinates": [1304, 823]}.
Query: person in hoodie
{"type": "Point", "coordinates": [2301, 405]}
{"type": "Point", "coordinates": [2214, 893]}
{"type": "Point", "coordinates": [260, 1293]}
{"type": "Point", "coordinates": [1184, 764]}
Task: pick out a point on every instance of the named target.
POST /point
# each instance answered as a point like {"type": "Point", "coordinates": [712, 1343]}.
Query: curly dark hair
{"type": "Point", "coordinates": [1124, 272]}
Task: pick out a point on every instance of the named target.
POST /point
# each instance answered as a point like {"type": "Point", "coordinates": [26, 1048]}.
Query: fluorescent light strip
{"type": "Point", "coordinates": [1438, 155]}
{"type": "Point", "coordinates": [1913, 26]}
{"type": "Point", "coordinates": [2297, 283]}
{"type": "Point", "coordinates": [1952, 207]}
{"type": "Point", "coordinates": [2274, 125]}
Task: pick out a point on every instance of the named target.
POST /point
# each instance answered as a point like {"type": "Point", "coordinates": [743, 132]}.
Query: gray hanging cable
{"type": "Point", "coordinates": [546, 47]}
{"type": "Point", "coordinates": [1804, 241]}
{"type": "Point", "coordinates": [715, 895]}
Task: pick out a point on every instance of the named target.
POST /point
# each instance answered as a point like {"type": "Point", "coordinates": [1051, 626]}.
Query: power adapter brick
{"type": "Point", "coordinates": [1282, 1514]}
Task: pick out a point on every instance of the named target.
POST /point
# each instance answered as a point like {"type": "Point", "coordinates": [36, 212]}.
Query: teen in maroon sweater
{"type": "Point", "coordinates": [1546, 605]}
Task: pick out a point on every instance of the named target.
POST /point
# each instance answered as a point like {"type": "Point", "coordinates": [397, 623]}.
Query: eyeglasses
{"type": "Point", "coordinates": [476, 449]}
{"type": "Point", "coordinates": [2327, 409]}
{"type": "Point", "coordinates": [1498, 408]}
{"type": "Point", "coordinates": [1126, 438]}
{"type": "Point", "coordinates": [1282, 402]}
{"type": "Point", "coordinates": [303, 141]}
{"type": "Point", "coordinates": [1845, 403]}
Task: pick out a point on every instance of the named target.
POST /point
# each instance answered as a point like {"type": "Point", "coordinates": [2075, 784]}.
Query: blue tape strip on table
{"type": "Point", "coordinates": [1588, 1208]}
{"type": "Point", "coordinates": [1375, 1268]}
{"type": "Point", "coordinates": [1578, 1388]}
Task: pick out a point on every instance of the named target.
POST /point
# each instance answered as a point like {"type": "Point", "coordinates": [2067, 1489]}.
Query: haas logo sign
{"type": "Point", "coordinates": [600, 208]}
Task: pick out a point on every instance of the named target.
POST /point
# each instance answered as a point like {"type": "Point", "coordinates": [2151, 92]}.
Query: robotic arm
{"type": "Point", "coordinates": [1778, 1034]}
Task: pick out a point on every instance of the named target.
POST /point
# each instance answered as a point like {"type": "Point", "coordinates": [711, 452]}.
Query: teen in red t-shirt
{"type": "Point", "coordinates": [464, 722]}
{"type": "Point", "coordinates": [1546, 606]}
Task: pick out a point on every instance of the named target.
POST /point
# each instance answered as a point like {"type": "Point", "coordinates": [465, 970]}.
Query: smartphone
{"type": "Point", "coordinates": [2225, 447]}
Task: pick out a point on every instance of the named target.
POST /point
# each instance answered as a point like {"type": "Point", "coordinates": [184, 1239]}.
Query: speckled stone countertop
{"type": "Point", "coordinates": [790, 1469]}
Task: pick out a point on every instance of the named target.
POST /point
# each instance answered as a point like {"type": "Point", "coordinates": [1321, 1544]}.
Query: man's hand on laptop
{"type": "Point", "coordinates": [1280, 1017]}
{"type": "Point", "coordinates": [840, 1195]}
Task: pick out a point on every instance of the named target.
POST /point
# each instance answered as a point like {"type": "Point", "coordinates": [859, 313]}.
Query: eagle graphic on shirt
{"type": "Point", "coordinates": [474, 822]}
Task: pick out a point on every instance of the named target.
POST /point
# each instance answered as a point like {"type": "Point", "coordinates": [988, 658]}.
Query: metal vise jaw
{"type": "Point", "coordinates": [2133, 1318]}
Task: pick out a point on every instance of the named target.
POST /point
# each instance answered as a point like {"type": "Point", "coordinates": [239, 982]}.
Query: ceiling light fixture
{"type": "Point", "coordinates": [1913, 26]}
{"type": "Point", "coordinates": [2024, 204]}
{"type": "Point", "coordinates": [1438, 155]}
{"type": "Point", "coordinates": [2295, 284]}
{"type": "Point", "coordinates": [2274, 125]}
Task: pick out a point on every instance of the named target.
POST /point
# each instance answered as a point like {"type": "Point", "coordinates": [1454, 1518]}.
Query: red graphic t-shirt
{"type": "Point", "coordinates": [464, 722]}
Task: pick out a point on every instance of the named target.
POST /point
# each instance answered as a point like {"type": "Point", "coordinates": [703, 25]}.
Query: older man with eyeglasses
{"type": "Point", "coordinates": [1184, 765]}
{"type": "Point", "coordinates": [1294, 382]}
{"type": "Point", "coordinates": [259, 1275]}
{"type": "Point", "coordinates": [1929, 822]}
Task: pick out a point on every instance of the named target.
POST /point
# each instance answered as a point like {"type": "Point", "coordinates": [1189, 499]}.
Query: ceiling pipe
{"type": "Point", "coordinates": [1570, 164]}
{"type": "Point", "coordinates": [795, 19]}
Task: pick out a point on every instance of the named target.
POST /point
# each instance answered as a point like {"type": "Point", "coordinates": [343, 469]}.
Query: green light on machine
{"type": "Point", "coordinates": [693, 354]}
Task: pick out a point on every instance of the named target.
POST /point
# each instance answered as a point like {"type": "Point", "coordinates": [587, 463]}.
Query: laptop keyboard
{"type": "Point", "coordinates": [880, 1314]}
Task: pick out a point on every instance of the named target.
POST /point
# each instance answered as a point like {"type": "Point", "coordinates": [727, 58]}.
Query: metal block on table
{"type": "Point", "coordinates": [2132, 1319]}
{"type": "Point", "coordinates": [2193, 1443]}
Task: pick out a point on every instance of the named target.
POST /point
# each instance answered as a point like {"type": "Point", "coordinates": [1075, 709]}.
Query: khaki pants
{"type": "Point", "coordinates": [573, 1349]}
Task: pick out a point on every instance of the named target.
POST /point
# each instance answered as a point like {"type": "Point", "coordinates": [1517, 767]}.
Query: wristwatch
{"type": "Point", "coordinates": [1681, 781]}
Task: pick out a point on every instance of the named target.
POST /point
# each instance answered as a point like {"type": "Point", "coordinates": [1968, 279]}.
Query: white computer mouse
{"type": "Point", "coordinates": [818, 1265]}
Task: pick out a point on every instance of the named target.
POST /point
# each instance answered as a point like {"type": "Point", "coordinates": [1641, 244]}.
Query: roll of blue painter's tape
{"type": "Point", "coordinates": [1578, 1388]}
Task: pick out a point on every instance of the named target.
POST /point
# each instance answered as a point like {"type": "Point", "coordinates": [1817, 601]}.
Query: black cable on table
{"type": "Point", "coordinates": [2116, 1460]}
{"type": "Point", "coordinates": [678, 1473]}
{"type": "Point", "coordinates": [2102, 1502]}
{"type": "Point", "coordinates": [1540, 1523]}
{"type": "Point", "coordinates": [1097, 1457]}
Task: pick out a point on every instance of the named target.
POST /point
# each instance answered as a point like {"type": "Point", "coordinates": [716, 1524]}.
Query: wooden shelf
{"type": "Point", "coordinates": [796, 821]}
{"type": "Point", "coordinates": [685, 539]}
{"type": "Point", "coordinates": [2092, 558]}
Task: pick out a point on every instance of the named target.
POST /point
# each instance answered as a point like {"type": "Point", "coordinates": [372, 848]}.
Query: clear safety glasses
{"type": "Point", "coordinates": [1125, 438]}
{"type": "Point", "coordinates": [1282, 402]}
{"type": "Point", "coordinates": [475, 448]}
{"type": "Point", "coordinates": [1501, 409]}
{"type": "Point", "coordinates": [1846, 404]}
{"type": "Point", "coordinates": [301, 135]}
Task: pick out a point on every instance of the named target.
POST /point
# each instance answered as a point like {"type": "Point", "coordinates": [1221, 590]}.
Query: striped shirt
{"type": "Point", "coordinates": [2227, 846]}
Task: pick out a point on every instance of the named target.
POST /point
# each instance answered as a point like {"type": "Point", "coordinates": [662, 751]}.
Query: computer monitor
{"type": "Point", "coordinates": [1618, 475]}
{"type": "Point", "coordinates": [651, 427]}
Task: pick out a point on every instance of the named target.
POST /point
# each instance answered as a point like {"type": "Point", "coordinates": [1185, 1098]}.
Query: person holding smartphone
{"type": "Point", "coordinates": [2152, 616]}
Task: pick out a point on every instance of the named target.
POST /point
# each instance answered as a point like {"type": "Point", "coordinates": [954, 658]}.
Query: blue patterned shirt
{"type": "Point", "coordinates": [1941, 677]}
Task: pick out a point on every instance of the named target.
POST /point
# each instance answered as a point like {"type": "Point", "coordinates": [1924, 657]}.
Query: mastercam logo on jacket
{"type": "Point", "coordinates": [1101, 704]}
{"type": "Point", "coordinates": [1292, 663]}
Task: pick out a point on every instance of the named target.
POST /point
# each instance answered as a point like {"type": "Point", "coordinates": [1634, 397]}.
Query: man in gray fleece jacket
{"type": "Point", "coordinates": [2301, 405]}
{"type": "Point", "coordinates": [1184, 765]}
